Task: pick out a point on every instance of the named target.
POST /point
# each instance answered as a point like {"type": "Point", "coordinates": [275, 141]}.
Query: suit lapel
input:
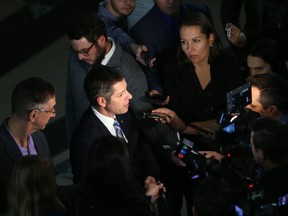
{"type": "Point", "coordinates": [37, 144]}
{"type": "Point", "coordinates": [9, 143]}
{"type": "Point", "coordinates": [99, 126]}
{"type": "Point", "coordinates": [125, 124]}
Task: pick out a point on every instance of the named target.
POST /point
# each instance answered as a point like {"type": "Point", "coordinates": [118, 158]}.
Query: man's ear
{"type": "Point", "coordinates": [32, 115]}
{"type": "Point", "coordinates": [261, 154]}
{"type": "Point", "coordinates": [101, 39]}
{"type": "Point", "coordinates": [101, 101]}
{"type": "Point", "coordinates": [272, 110]}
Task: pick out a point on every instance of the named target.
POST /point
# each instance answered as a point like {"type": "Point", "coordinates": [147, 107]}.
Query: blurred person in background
{"type": "Point", "coordinates": [32, 189]}
{"type": "Point", "coordinates": [114, 14]}
{"type": "Point", "coordinates": [110, 186]}
{"type": "Point", "coordinates": [265, 57]}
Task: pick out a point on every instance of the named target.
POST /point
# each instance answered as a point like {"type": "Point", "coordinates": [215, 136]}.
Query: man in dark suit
{"type": "Point", "coordinates": [90, 45]}
{"type": "Point", "coordinates": [33, 102]}
{"type": "Point", "coordinates": [106, 89]}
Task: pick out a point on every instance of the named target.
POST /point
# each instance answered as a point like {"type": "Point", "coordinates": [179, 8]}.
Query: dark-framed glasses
{"type": "Point", "coordinates": [83, 51]}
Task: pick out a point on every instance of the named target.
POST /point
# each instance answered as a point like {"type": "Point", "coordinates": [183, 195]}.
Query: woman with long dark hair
{"type": "Point", "coordinates": [198, 79]}
{"type": "Point", "coordinates": [32, 189]}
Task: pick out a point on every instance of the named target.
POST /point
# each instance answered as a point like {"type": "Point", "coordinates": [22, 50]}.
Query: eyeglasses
{"type": "Point", "coordinates": [47, 111]}
{"type": "Point", "coordinates": [83, 51]}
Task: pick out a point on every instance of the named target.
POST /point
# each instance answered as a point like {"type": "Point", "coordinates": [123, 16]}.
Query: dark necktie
{"type": "Point", "coordinates": [118, 130]}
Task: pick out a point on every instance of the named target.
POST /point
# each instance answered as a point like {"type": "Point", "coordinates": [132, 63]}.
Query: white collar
{"type": "Point", "coordinates": [110, 53]}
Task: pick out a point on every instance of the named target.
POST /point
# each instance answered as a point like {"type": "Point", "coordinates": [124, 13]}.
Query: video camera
{"type": "Point", "coordinates": [233, 135]}
{"type": "Point", "coordinates": [247, 191]}
{"type": "Point", "coordinates": [237, 100]}
{"type": "Point", "coordinates": [253, 202]}
{"type": "Point", "coordinates": [250, 197]}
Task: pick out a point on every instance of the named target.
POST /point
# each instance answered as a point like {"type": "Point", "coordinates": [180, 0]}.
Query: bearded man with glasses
{"type": "Point", "coordinates": [90, 45]}
{"type": "Point", "coordinates": [33, 101]}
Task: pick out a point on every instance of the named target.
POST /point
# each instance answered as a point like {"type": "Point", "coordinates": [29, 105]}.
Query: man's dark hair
{"type": "Point", "coordinates": [99, 82]}
{"type": "Point", "coordinates": [269, 51]}
{"type": "Point", "coordinates": [273, 90]}
{"type": "Point", "coordinates": [89, 26]}
{"type": "Point", "coordinates": [30, 94]}
{"type": "Point", "coordinates": [213, 197]}
{"type": "Point", "coordinates": [271, 136]}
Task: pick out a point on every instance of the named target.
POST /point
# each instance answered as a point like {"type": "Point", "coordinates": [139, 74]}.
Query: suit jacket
{"type": "Point", "coordinates": [10, 153]}
{"type": "Point", "coordinates": [76, 100]}
{"type": "Point", "coordinates": [164, 40]}
{"type": "Point", "coordinates": [89, 129]}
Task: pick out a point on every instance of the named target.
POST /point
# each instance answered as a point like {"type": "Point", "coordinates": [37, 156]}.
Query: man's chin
{"type": "Point", "coordinates": [127, 12]}
{"type": "Point", "coordinates": [88, 62]}
{"type": "Point", "coordinates": [125, 110]}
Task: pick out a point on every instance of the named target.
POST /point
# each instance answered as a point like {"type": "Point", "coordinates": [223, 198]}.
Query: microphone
{"type": "Point", "coordinates": [169, 136]}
